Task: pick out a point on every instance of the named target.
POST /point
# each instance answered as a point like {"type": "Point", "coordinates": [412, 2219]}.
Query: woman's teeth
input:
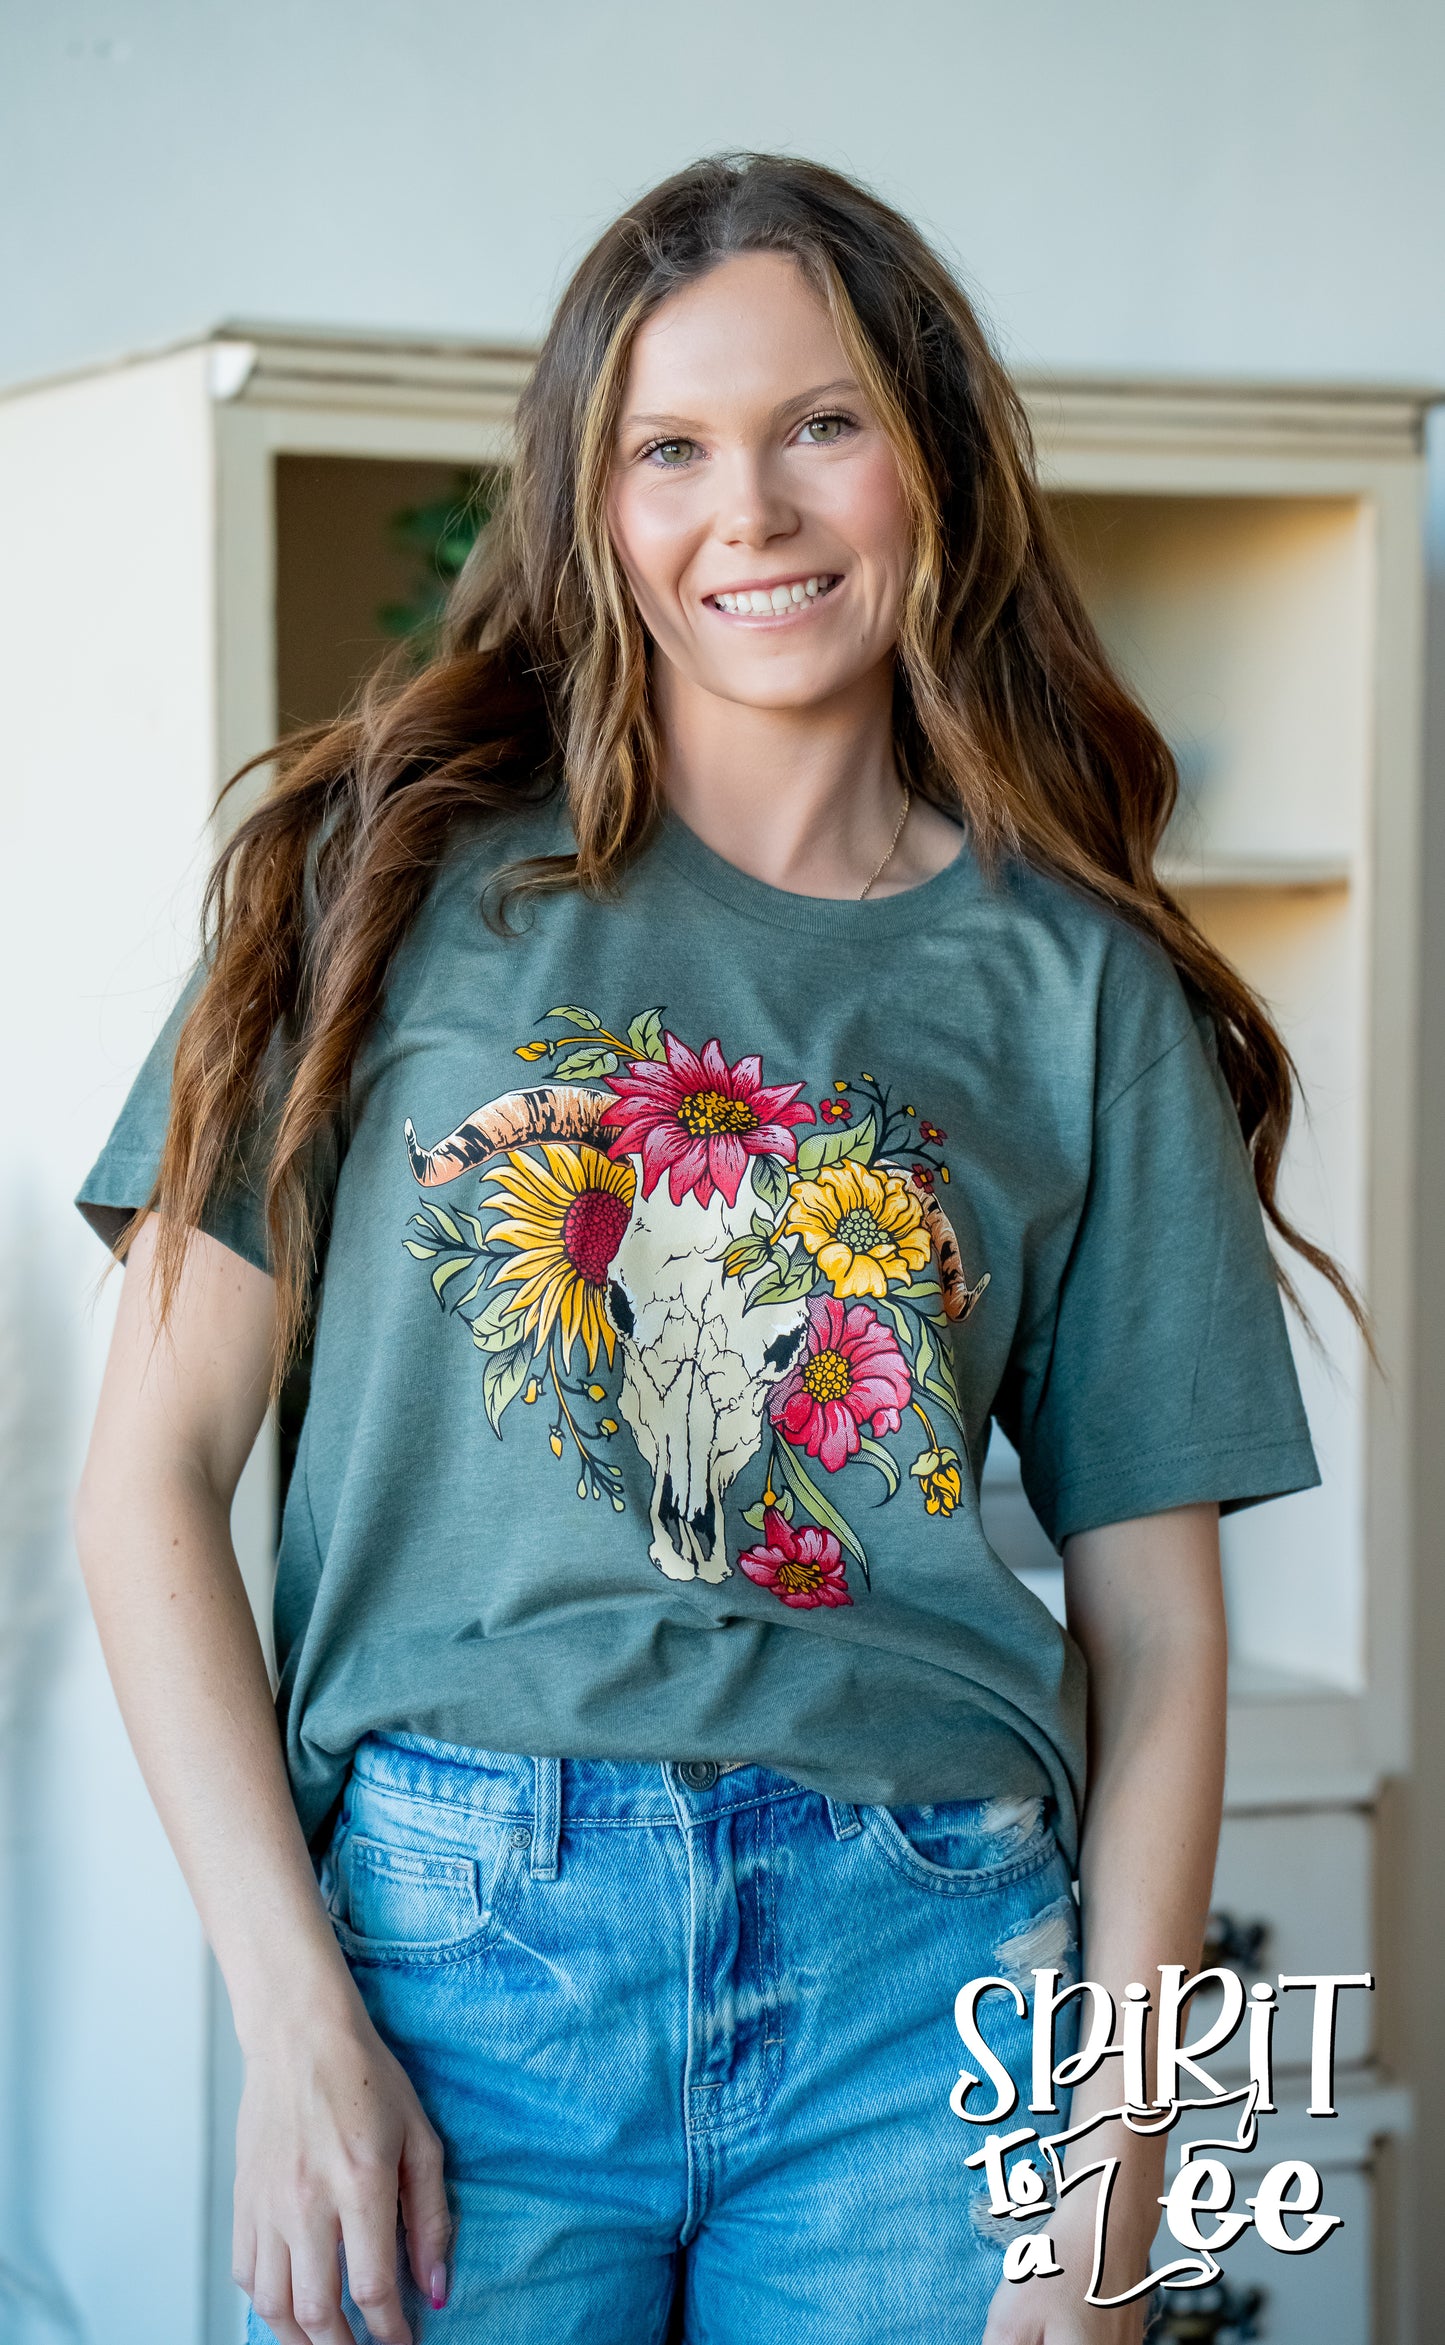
{"type": "Point", "coordinates": [759, 601]}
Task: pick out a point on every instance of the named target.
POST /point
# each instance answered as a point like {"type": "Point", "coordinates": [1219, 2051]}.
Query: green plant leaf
{"type": "Point", "coordinates": [587, 1019]}
{"type": "Point", "coordinates": [448, 1268]}
{"type": "Point", "coordinates": [770, 1183]}
{"type": "Point", "coordinates": [421, 1253]}
{"type": "Point", "coordinates": [878, 1456]}
{"type": "Point", "coordinates": [495, 1328]}
{"type": "Point", "coordinates": [474, 1229]}
{"type": "Point", "coordinates": [924, 1357]}
{"type": "Point", "coordinates": [806, 1491]}
{"type": "Point", "coordinates": [786, 1286]}
{"type": "Point", "coordinates": [578, 1065]}
{"type": "Point", "coordinates": [644, 1035]}
{"type": "Point", "coordinates": [446, 1224]}
{"type": "Point", "coordinates": [839, 1141]}
{"type": "Point", "coordinates": [502, 1379]}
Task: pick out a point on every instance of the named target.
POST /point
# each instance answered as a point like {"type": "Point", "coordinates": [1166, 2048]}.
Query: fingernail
{"type": "Point", "coordinates": [438, 2286]}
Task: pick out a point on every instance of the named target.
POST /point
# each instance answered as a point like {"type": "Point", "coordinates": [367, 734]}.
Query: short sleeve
{"type": "Point", "coordinates": [123, 1177]}
{"type": "Point", "coordinates": [1161, 1374]}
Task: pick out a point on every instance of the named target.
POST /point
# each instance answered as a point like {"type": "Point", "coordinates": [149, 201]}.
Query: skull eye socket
{"type": "Point", "coordinates": [784, 1349]}
{"type": "Point", "coordinates": [620, 1307]}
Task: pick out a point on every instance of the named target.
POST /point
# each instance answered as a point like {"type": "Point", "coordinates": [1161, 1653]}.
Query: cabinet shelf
{"type": "Point", "coordinates": [1305, 874]}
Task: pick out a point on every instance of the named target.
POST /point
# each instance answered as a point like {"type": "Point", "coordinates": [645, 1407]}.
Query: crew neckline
{"type": "Point", "coordinates": [855, 917]}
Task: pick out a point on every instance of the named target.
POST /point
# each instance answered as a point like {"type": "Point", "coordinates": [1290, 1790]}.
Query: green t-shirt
{"type": "Point", "coordinates": [681, 1249]}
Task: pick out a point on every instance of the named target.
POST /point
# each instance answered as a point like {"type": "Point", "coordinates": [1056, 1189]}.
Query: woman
{"type": "Point", "coordinates": [688, 1060]}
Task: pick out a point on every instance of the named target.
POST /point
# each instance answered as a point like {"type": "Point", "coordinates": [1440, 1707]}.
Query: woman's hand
{"type": "Point", "coordinates": [331, 2131]}
{"type": "Point", "coordinates": [1053, 2312]}
{"type": "Point", "coordinates": [331, 2136]}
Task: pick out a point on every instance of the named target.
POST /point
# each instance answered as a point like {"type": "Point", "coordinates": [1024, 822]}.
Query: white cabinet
{"type": "Point", "coordinates": [196, 545]}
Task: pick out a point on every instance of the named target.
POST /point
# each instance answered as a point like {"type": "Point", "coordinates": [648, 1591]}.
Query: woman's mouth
{"type": "Point", "coordinates": [783, 600]}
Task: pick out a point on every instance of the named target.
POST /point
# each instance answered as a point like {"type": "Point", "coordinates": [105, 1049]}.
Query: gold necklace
{"type": "Point", "coordinates": [897, 835]}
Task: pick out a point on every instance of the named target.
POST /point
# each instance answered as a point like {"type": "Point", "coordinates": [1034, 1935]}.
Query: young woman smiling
{"type": "Point", "coordinates": [686, 1063]}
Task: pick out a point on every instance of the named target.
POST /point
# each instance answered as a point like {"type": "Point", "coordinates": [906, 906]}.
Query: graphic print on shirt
{"type": "Point", "coordinates": [675, 1248]}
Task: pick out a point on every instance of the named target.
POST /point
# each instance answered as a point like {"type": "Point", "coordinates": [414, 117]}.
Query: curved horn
{"type": "Point", "coordinates": [958, 1296]}
{"type": "Point", "coordinates": [548, 1111]}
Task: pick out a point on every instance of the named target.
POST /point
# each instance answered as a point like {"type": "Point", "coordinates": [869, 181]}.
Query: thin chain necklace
{"type": "Point", "coordinates": [897, 835]}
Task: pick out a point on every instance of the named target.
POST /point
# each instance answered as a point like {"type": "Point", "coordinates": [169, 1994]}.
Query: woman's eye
{"type": "Point", "coordinates": [673, 454]}
{"type": "Point", "coordinates": [821, 431]}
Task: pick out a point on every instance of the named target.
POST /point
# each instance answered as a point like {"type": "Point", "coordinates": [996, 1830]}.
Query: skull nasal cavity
{"type": "Point", "coordinates": [592, 1232]}
{"type": "Point", "coordinates": [828, 1376]}
{"type": "Point", "coordinates": [621, 1308]}
{"type": "Point", "coordinates": [712, 1111]}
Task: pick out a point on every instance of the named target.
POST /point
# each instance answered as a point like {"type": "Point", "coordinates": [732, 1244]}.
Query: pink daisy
{"type": "Point", "coordinates": [699, 1120]}
{"type": "Point", "coordinates": [801, 1567]}
{"type": "Point", "coordinates": [852, 1375]}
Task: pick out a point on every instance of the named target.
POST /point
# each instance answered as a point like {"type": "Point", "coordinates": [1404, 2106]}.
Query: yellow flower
{"type": "Point", "coordinates": [556, 1440]}
{"type": "Point", "coordinates": [940, 1478]}
{"type": "Point", "coordinates": [530, 1050]}
{"type": "Point", "coordinates": [865, 1227]}
{"type": "Point", "coordinates": [565, 1223]}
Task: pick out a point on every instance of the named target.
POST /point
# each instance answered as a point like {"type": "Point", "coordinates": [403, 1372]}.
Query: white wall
{"type": "Point", "coordinates": [1257, 186]}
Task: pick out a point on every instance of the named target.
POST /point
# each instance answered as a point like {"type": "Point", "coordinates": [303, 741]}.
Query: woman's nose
{"type": "Point", "coordinates": [754, 505]}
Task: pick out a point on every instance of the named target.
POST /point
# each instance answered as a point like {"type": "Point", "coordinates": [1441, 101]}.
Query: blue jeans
{"type": "Point", "coordinates": [687, 2036]}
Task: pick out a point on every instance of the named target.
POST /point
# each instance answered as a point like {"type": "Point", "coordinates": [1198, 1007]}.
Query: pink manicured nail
{"type": "Point", "coordinates": [438, 2286]}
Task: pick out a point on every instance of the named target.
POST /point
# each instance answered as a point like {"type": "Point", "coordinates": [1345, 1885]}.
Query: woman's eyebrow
{"type": "Point", "coordinates": [676, 422]}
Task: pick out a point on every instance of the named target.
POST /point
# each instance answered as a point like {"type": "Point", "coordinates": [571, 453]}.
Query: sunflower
{"type": "Point", "coordinates": [565, 1220]}
{"type": "Point", "coordinates": [865, 1227]}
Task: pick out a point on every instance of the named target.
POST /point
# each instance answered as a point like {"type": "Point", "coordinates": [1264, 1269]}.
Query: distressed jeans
{"type": "Point", "coordinates": [686, 2033]}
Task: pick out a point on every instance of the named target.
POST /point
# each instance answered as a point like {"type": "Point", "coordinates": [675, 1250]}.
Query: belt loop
{"type": "Point", "coordinates": [844, 1817]}
{"type": "Point", "coordinates": [547, 1819]}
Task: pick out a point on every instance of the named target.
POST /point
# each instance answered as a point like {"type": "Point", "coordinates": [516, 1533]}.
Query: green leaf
{"type": "Point", "coordinates": [787, 1286]}
{"type": "Point", "coordinates": [421, 1253]}
{"type": "Point", "coordinates": [901, 1321]}
{"type": "Point", "coordinates": [446, 1224]}
{"type": "Point", "coordinates": [878, 1456]}
{"type": "Point", "coordinates": [448, 1268]}
{"type": "Point", "coordinates": [579, 1064]}
{"type": "Point", "coordinates": [495, 1327]}
{"type": "Point", "coordinates": [473, 1228]}
{"type": "Point", "coordinates": [587, 1019]}
{"type": "Point", "coordinates": [502, 1379]}
{"type": "Point", "coordinates": [946, 1397]}
{"type": "Point", "coordinates": [473, 1290]}
{"type": "Point", "coordinates": [807, 1493]}
{"type": "Point", "coordinates": [644, 1035]}
{"type": "Point", "coordinates": [925, 1355]}
{"type": "Point", "coordinates": [838, 1142]}
{"type": "Point", "coordinates": [770, 1182]}
{"type": "Point", "coordinates": [761, 1226]}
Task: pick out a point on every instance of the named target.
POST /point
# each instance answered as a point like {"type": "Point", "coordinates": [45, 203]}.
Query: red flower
{"type": "Point", "coordinates": [801, 1567]}
{"type": "Point", "coordinates": [837, 1111]}
{"type": "Point", "coordinates": [853, 1374]}
{"type": "Point", "coordinates": [921, 1175]}
{"type": "Point", "coordinates": [699, 1120]}
{"type": "Point", "coordinates": [930, 1131]}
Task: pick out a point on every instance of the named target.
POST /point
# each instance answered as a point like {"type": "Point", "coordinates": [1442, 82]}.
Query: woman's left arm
{"type": "Point", "coordinates": [1145, 1604]}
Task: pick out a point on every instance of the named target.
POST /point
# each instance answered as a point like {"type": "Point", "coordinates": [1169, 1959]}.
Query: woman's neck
{"type": "Point", "coordinates": [805, 799]}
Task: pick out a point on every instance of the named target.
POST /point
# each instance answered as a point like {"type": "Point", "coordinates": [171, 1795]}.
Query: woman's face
{"type": "Point", "coordinates": [755, 505]}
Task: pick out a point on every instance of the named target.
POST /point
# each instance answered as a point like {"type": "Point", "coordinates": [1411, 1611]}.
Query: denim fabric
{"type": "Point", "coordinates": [686, 2033]}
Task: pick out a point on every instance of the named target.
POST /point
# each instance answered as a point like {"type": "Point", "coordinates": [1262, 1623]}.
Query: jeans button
{"type": "Point", "coordinates": [698, 1774]}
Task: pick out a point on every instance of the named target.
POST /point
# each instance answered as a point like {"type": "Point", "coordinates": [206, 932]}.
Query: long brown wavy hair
{"type": "Point", "coordinates": [1009, 715]}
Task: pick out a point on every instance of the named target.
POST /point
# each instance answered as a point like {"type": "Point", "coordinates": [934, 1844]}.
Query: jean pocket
{"type": "Point", "coordinates": [967, 1846]}
{"type": "Point", "coordinates": [413, 1886]}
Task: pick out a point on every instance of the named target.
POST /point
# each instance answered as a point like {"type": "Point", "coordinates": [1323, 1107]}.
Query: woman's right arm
{"type": "Point", "coordinates": [331, 2133]}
